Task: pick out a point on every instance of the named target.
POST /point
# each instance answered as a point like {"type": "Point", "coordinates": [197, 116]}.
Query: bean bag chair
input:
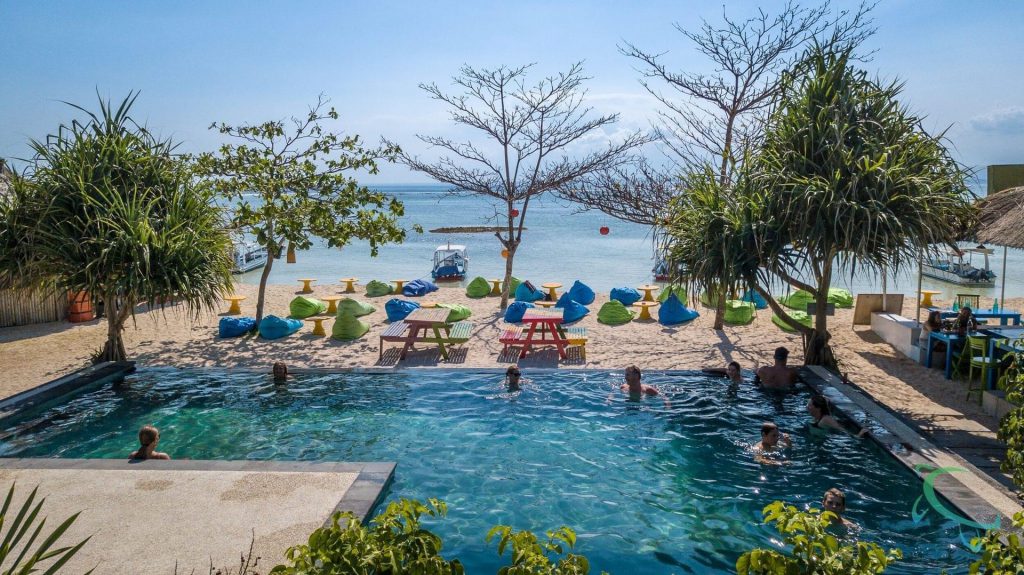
{"type": "Point", "coordinates": [456, 312]}
{"type": "Point", "coordinates": [563, 300]}
{"type": "Point", "coordinates": [273, 327]}
{"type": "Point", "coordinates": [739, 312]}
{"type": "Point", "coordinates": [516, 310]}
{"type": "Point", "coordinates": [674, 289]}
{"type": "Point", "coordinates": [478, 288]}
{"type": "Point", "coordinates": [348, 327]}
{"type": "Point", "coordinates": [524, 293]}
{"type": "Point", "coordinates": [354, 307]}
{"type": "Point", "coordinates": [417, 288]}
{"type": "Point", "coordinates": [625, 296]}
{"type": "Point", "coordinates": [709, 300]}
{"type": "Point", "coordinates": [840, 297]}
{"type": "Point", "coordinates": [303, 307]}
{"type": "Point", "coordinates": [672, 312]}
{"type": "Point", "coordinates": [755, 298]}
{"type": "Point", "coordinates": [573, 311]}
{"type": "Point", "coordinates": [397, 309]}
{"type": "Point", "coordinates": [513, 284]}
{"type": "Point", "coordinates": [799, 316]}
{"type": "Point", "coordinates": [797, 300]}
{"type": "Point", "coordinates": [614, 313]}
{"type": "Point", "coordinates": [378, 288]}
{"type": "Point", "coordinates": [235, 326]}
{"type": "Point", "coordinates": [581, 293]}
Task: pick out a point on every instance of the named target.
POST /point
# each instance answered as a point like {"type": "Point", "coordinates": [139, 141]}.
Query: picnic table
{"type": "Point", "coordinates": [950, 338]}
{"type": "Point", "coordinates": [496, 290]}
{"type": "Point", "coordinates": [1002, 315]}
{"type": "Point", "coordinates": [332, 303]}
{"type": "Point", "coordinates": [542, 328]}
{"type": "Point", "coordinates": [235, 309]}
{"type": "Point", "coordinates": [426, 326]}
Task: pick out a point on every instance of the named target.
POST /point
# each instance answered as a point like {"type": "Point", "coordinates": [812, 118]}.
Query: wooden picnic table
{"type": "Point", "coordinates": [550, 332]}
{"type": "Point", "coordinates": [645, 308]}
{"type": "Point", "coordinates": [426, 326]}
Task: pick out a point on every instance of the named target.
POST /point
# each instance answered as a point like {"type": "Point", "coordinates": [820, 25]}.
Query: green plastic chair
{"type": "Point", "coordinates": [977, 352]}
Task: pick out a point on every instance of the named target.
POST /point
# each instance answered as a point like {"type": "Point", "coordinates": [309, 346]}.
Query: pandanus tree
{"type": "Point", "coordinates": [107, 208]}
{"type": "Point", "coordinates": [847, 181]}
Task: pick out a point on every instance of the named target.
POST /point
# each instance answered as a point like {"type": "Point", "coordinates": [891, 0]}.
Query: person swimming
{"type": "Point", "coordinates": [821, 414]}
{"type": "Point", "coordinates": [280, 372]}
{"type": "Point", "coordinates": [149, 437]}
{"type": "Point", "coordinates": [732, 372]}
{"type": "Point", "coordinates": [780, 375]}
{"type": "Point", "coordinates": [834, 501]}
{"type": "Point", "coordinates": [771, 438]}
{"type": "Point", "coordinates": [633, 386]}
{"type": "Point", "coordinates": [512, 378]}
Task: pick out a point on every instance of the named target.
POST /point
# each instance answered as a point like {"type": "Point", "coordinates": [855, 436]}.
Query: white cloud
{"type": "Point", "coordinates": [1002, 121]}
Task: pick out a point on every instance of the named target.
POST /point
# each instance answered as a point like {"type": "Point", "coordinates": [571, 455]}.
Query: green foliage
{"type": "Point", "coordinates": [108, 209]}
{"type": "Point", "coordinates": [814, 551]}
{"type": "Point", "coordinates": [291, 183]}
{"type": "Point", "coordinates": [17, 554]}
{"type": "Point", "coordinates": [1011, 427]}
{"type": "Point", "coordinates": [530, 555]}
{"type": "Point", "coordinates": [997, 557]}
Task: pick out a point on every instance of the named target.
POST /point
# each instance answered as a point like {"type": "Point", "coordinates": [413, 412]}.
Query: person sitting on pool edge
{"type": "Point", "coordinates": [280, 372]}
{"type": "Point", "coordinates": [732, 372]}
{"type": "Point", "coordinates": [770, 438]}
{"type": "Point", "coordinates": [778, 376]}
{"type": "Point", "coordinates": [149, 436]}
{"type": "Point", "coordinates": [834, 500]}
{"type": "Point", "coordinates": [633, 386]}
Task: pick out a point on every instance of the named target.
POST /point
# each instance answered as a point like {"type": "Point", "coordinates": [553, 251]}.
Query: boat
{"type": "Point", "coordinates": [248, 256]}
{"type": "Point", "coordinates": [953, 269]}
{"type": "Point", "coordinates": [450, 263]}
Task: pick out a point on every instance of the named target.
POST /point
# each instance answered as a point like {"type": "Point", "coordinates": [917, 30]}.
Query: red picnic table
{"type": "Point", "coordinates": [550, 332]}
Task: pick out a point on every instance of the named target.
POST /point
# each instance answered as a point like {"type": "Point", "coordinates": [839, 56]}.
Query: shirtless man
{"type": "Point", "coordinates": [633, 386]}
{"type": "Point", "coordinates": [771, 438]}
{"type": "Point", "coordinates": [778, 376]}
{"type": "Point", "coordinates": [149, 437]}
{"type": "Point", "coordinates": [835, 501]}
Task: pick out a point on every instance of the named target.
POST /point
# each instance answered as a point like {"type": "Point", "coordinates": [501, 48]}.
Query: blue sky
{"type": "Point", "coordinates": [196, 62]}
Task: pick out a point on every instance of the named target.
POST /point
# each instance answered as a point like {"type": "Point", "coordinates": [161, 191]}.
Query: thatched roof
{"type": "Point", "coordinates": [1001, 218]}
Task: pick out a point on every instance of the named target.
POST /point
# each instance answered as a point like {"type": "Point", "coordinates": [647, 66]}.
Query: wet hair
{"type": "Point", "coordinates": [735, 364]}
{"type": "Point", "coordinates": [148, 435]}
{"type": "Point", "coordinates": [821, 402]}
{"type": "Point", "coordinates": [512, 370]}
{"type": "Point", "coordinates": [279, 365]}
{"type": "Point", "coordinates": [768, 427]}
{"type": "Point", "coordinates": [934, 318]}
{"type": "Point", "coordinates": [781, 353]}
{"type": "Point", "coordinates": [634, 368]}
{"type": "Point", "coordinates": [837, 494]}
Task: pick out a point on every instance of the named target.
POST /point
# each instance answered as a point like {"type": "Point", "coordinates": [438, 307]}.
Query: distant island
{"type": "Point", "coordinates": [469, 230]}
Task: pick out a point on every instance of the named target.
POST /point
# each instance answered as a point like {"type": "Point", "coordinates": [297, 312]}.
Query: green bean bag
{"type": "Point", "coordinates": [614, 313]}
{"type": "Point", "coordinates": [738, 312]}
{"type": "Point", "coordinates": [513, 283]}
{"type": "Point", "coordinates": [354, 307]}
{"type": "Point", "coordinates": [799, 316]}
{"type": "Point", "coordinates": [797, 300]}
{"type": "Point", "coordinates": [303, 307]}
{"type": "Point", "coordinates": [840, 297]}
{"type": "Point", "coordinates": [678, 290]}
{"type": "Point", "coordinates": [377, 288]}
{"type": "Point", "coordinates": [709, 300]}
{"type": "Point", "coordinates": [456, 312]}
{"type": "Point", "coordinates": [348, 327]}
{"type": "Point", "coordinates": [478, 288]}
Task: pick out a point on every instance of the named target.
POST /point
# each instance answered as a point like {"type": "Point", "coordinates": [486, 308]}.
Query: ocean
{"type": "Point", "coordinates": [561, 244]}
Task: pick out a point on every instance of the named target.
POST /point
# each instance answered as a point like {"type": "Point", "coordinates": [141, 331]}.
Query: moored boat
{"type": "Point", "coordinates": [450, 263]}
{"type": "Point", "coordinates": [952, 268]}
{"type": "Point", "coordinates": [248, 256]}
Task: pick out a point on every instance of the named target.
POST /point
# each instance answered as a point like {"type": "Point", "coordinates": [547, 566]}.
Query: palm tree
{"type": "Point", "coordinates": [108, 209]}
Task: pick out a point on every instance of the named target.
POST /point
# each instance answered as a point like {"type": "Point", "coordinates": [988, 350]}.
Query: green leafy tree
{"type": "Point", "coordinates": [107, 208]}
{"type": "Point", "coordinates": [19, 555]}
{"type": "Point", "coordinates": [847, 181]}
{"type": "Point", "coordinates": [290, 182]}
{"type": "Point", "coordinates": [1011, 426]}
{"type": "Point", "coordinates": [530, 556]}
{"type": "Point", "coordinates": [813, 549]}
{"type": "Point", "coordinates": [1001, 553]}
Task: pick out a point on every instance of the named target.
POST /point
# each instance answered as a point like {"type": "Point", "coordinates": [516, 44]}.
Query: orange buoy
{"type": "Point", "coordinates": [504, 254]}
{"type": "Point", "coordinates": [604, 230]}
{"type": "Point", "coordinates": [80, 308]}
{"type": "Point", "coordinates": [515, 213]}
{"type": "Point", "coordinates": [291, 253]}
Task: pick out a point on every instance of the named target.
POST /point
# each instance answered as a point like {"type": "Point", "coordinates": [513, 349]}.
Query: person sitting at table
{"type": "Point", "coordinates": [965, 322]}
{"type": "Point", "coordinates": [933, 323]}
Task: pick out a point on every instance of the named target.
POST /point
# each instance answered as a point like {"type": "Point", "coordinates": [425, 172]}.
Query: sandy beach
{"type": "Point", "coordinates": [38, 353]}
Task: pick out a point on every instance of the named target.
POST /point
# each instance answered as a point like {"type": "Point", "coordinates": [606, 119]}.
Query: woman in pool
{"type": "Point", "coordinates": [149, 436]}
{"type": "Point", "coordinates": [821, 414]}
{"type": "Point", "coordinates": [731, 372]}
{"type": "Point", "coordinates": [280, 372]}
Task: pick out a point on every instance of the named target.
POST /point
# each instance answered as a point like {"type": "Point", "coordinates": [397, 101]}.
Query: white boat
{"type": "Point", "coordinates": [953, 269]}
{"type": "Point", "coordinates": [248, 256]}
{"type": "Point", "coordinates": [450, 262]}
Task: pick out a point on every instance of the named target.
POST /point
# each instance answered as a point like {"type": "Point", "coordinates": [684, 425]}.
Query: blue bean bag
{"type": "Point", "coordinates": [524, 293]}
{"type": "Point", "coordinates": [516, 310]}
{"type": "Point", "coordinates": [573, 311]}
{"type": "Point", "coordinates": [235, 326]}
{"type": "Point", "coordinates": [672, 311]}
{"type": "Point", "coordinates": [273, 327]}
{"type": "Point", "coordinates": [754, 298]}
{"type": "Point", "coordinates": [581, 293]}
{"type": "Point", "coordinates": [417, 288]}
{"type": "Point", "coordinates": [627, 296]}
{"type": "Point", "coordinates": [564, 300]}
{"type": "Point", "coordinates": [397, 309]}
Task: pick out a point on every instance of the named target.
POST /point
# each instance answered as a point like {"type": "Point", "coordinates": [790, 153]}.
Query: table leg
{"type": "Point", "coordinates": [235, 308]}
{"type": "Point", "coordinates": [949, 359]}
{"type": "Point", "coordinates": [529, 339]}
{"type": "Point", "coordinates": [440, 342]}
{"type": "Point", "coordinates": [991, 383]}
{"type": "Point", "coordinates": [413, 334]}
{"type": "Point", "coordinates": [349, 288]}
{"type": "Point", "coordinates": [332, 306]}
{"type": "Point", "coordinates": [318, 328]}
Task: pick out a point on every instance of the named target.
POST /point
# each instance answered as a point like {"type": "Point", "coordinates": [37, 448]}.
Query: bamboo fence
{"type": "Point", "coordinates": [26, 306]}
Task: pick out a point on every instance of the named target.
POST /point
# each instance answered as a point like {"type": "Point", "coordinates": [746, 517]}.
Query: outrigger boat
{"type": "Point", "coordinates": [450, 263]}
{"type": "Point", "coordinates": [953, 269]}
{"type": "Point", "coordinates": [248, 256]}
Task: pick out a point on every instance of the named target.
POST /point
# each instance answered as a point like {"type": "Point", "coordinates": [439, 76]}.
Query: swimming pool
{"type": "Point", "coordinates": [647, 488]}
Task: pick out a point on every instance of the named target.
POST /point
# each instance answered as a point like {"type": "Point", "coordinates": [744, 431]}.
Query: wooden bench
{"type": "Point", "coordinates": [510, 336]}
{"type": "Point", "coordinates": [577, 336]}
{"type": "Point", "coordinates": [396, 332]}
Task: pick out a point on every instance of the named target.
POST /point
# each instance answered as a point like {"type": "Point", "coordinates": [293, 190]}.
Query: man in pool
{"type": "Point", "coordinates": [780, 375]}
{"type": "Point", "coordinates": [835, 501]}
{"type": "Point", "coordinates": [512, 378]}
{"type": "Point", "coordinates": [149, 437]}
{"type": "Point", "coordinates": [731, 372]}
{"type": "Point", "coordinates": [770, 439]}
{"type": "Point", "coordinates": [634, 387]}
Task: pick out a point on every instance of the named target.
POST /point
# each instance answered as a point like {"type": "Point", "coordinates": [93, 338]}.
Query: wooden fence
{"type": "Point", "coordinates": [23, 307]}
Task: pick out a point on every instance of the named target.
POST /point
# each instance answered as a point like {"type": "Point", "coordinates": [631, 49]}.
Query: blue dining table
{"type": "Point", "coordinates": [950, 338]}
{"type": "Point", "coordinates": [1002, 342]}
{"type": "Point", "coordinates": [1002, 315]}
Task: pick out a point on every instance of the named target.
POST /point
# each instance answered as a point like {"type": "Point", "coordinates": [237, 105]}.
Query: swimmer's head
{"type": "Point", "coordinates": [280, 371]}
{"type": "Point", "coordinates": [148, 435]}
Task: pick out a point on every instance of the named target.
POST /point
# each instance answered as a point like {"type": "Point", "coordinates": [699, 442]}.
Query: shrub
{"type": "Point", "coordinates": [998, 557]}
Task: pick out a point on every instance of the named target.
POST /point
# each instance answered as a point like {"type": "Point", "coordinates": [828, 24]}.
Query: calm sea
{"type": "Point", "coordinates": [561, 244]}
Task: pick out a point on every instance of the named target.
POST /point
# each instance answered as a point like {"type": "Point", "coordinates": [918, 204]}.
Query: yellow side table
{"type": "Point", "coordinates": [496, 290]}
{"type": "Point", "coordinates": [645, 308]}
{"type": "Point", "coordinates": [350, 284]}
{"type": "Point", "coordinates": [926, 297]}
{"type": "Point", "coordinates": [399, 284]}
{"type": "Point", "coordinates": [648, 292]}
{"type": "Point", "coordinates": [544, 304]}
{"type": "Point", "coordinates": [306, 288]}
{"type": "Point", "coordinates": [318, 325]}
{"type": "Point", "coordinates": [332, 303]}
{"type": "Point", "coordinates": [552, 290]}
{"type": "Point", "coordinates": [428, 304]}
{"type": "Point", "coordinates": [235, 309]}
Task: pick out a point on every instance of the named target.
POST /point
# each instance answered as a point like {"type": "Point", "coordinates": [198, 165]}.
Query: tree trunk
{"type": "Point", "coordinates": [271, 255]}
{"type": "Point", "coordinates": [720, 312]}
{"type": "Point", "coordinates": [113, 349]}
{"type": "Point", "coordinates": [817, 351]}
{"type": "Point", "coordinates": [508, 277]}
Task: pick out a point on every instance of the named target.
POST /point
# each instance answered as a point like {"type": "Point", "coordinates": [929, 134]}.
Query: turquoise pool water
{"type": "Point", "coordinates": [648, 488]}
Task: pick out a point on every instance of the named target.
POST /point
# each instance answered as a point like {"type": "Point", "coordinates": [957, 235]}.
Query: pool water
{"type": "Point", "coordinates": [648, 488]}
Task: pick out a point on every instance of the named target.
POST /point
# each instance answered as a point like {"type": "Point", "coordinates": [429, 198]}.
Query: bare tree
{"type": "Point", "coordinates": [528, 130]}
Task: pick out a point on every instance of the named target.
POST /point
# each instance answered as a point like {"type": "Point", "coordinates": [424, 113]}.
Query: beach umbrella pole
{"type": "Point", "coordinates": [1002, 291]}
{"type": "Point", "coordinates": [917, 304]}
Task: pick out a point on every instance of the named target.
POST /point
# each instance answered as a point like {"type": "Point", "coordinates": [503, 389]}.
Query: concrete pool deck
{"type": "Point", "coordinates": [179, 516]}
